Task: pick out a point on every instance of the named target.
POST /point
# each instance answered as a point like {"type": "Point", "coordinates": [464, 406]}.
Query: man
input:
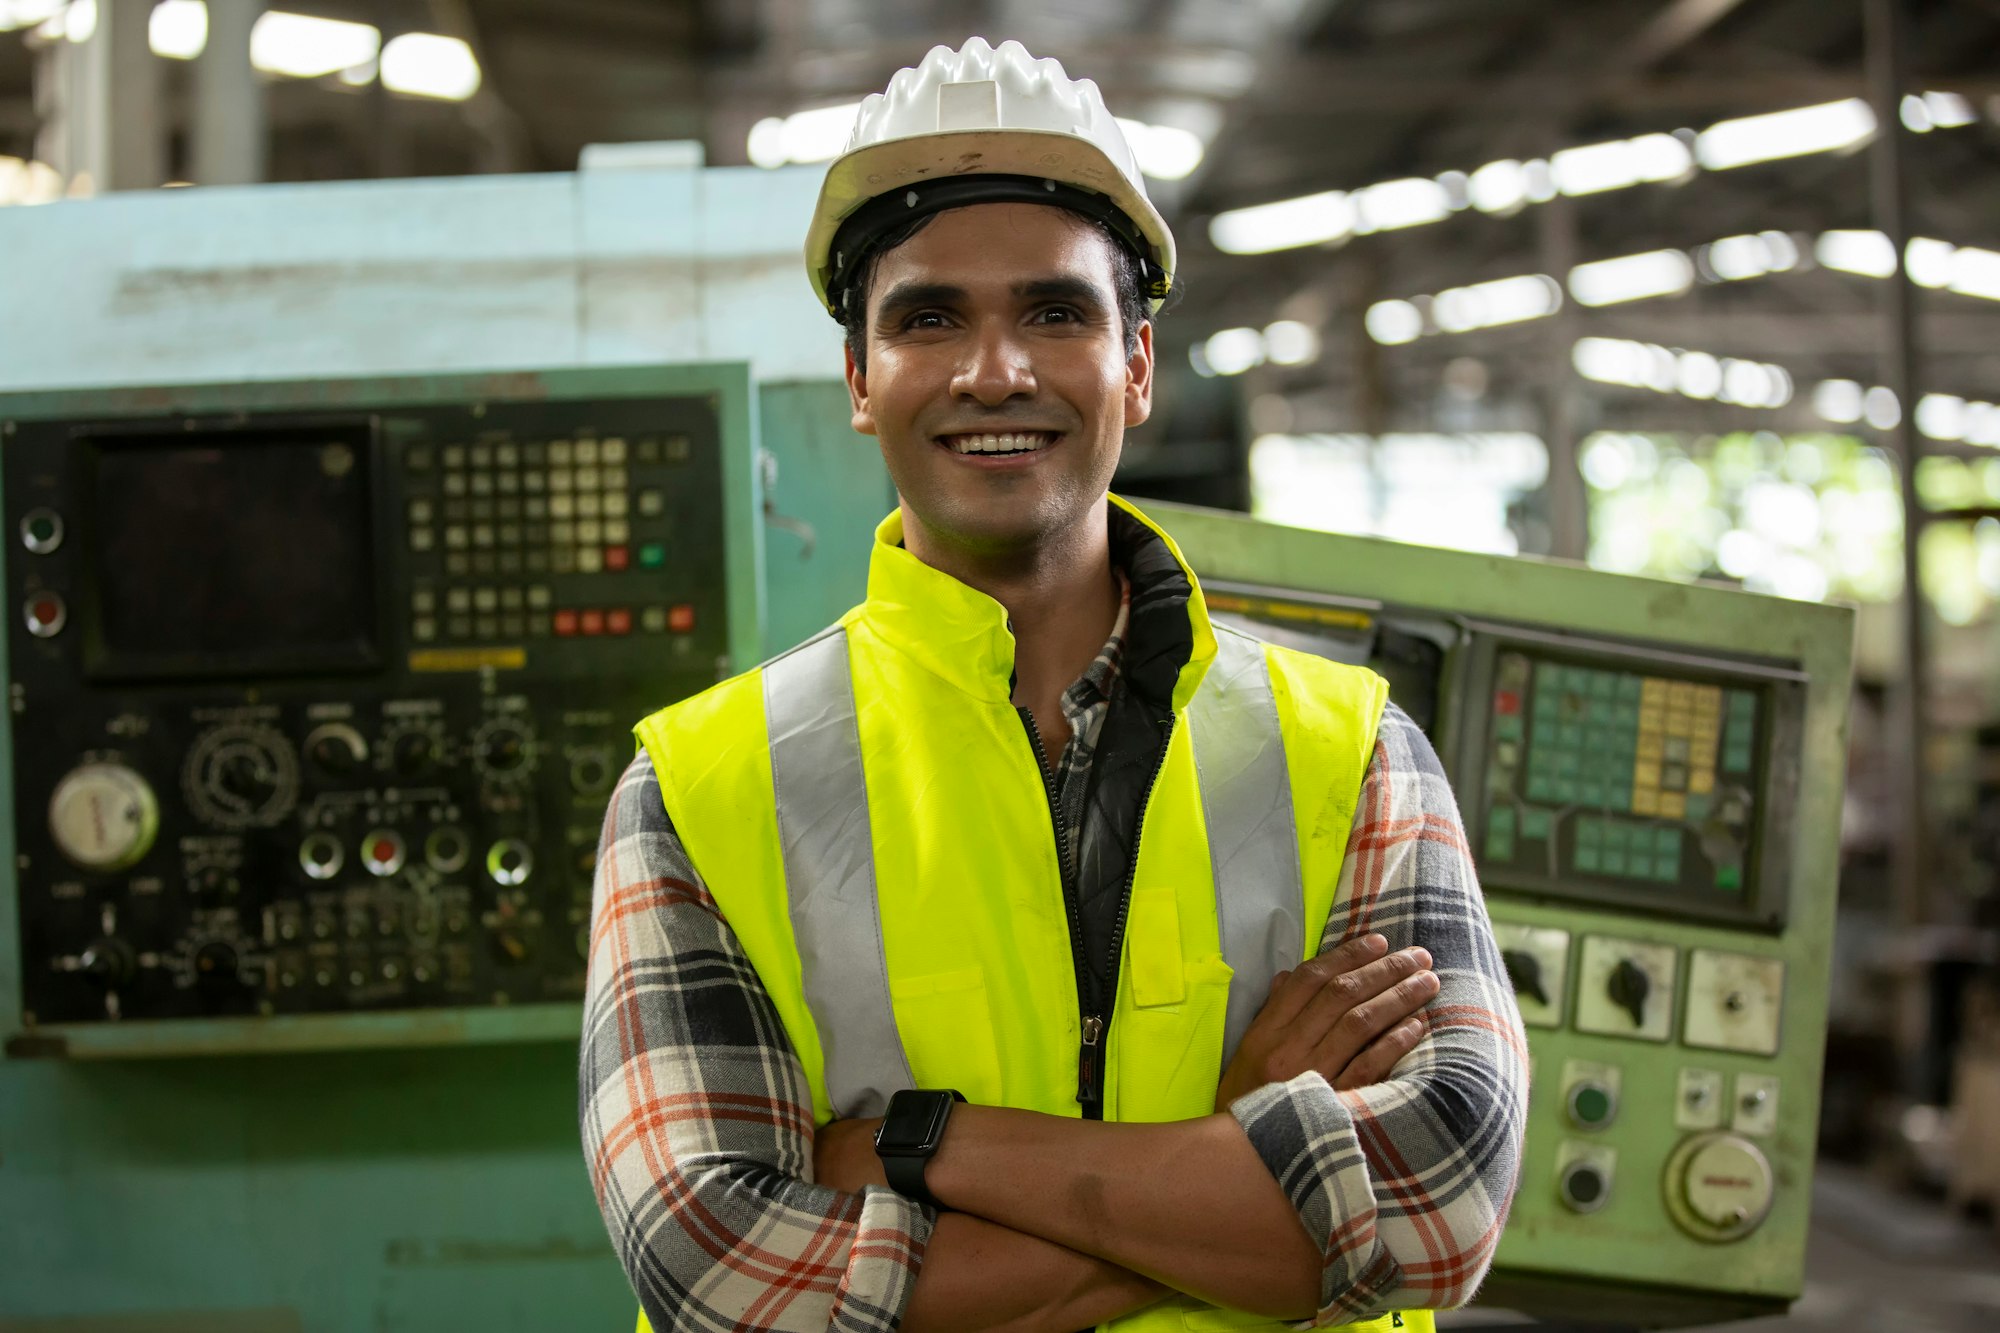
{"type": "Point", "coordinates": [1027, 828]}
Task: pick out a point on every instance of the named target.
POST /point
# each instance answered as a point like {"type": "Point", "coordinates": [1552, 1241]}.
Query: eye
{"type": "Point", "coordinates": [925, 319]}
{"type": "Point", "coordinates": [1058, 314]}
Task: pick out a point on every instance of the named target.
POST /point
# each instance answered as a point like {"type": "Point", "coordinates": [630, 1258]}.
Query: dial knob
{"type": "Point", "coordinates": [413, 753]}
{"type": "Point", "coordinates": [1719, 1186]}
{"type": "Point", "coordinates": [502, 750]}
{"type": "Point", "coordinates": [1525, 971]}
{"type": "Point", "coordinates": [1628, 986]}
{"type": "Point", "coordinates": [215, 965]}
{"type": "Point", "coordinates": [590, 772]}
{"type": "Point", "coordinates": [104, 817]}
{"type": "Point", "coordinates": [108, 961]}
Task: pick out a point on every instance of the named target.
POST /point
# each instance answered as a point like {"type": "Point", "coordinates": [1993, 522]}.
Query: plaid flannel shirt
{"type": "Point", "coordinates": [698, 1125]}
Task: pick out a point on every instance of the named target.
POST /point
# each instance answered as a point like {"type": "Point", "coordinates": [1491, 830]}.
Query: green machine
{"type": "Point", "coordinates": [1650, 774]}
{"type": "Point", "coordinates": [317, 693]}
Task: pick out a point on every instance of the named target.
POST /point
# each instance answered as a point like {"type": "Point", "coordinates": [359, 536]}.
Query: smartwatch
{"type": "Point", "coordinates": [912, 1128]}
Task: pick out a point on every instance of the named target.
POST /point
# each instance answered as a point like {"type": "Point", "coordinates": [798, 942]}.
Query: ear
{"type": "Point", "coordinates": [857, 392]}
{"type": "Point", "coordinates": [1139, 378]}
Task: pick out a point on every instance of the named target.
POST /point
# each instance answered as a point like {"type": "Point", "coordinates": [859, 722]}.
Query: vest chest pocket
{"type": "Point", "coordinates": [1167, 1043]}
{"type": "Point", "coordinates": [946, 1028]}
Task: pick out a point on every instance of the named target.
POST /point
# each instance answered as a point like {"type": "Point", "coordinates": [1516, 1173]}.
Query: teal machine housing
{"type": "Point", "coordinates": [380, 1166]}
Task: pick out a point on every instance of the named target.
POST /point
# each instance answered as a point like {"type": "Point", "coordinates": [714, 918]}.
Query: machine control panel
{"type": "Point", "coordinates": [318, 713]}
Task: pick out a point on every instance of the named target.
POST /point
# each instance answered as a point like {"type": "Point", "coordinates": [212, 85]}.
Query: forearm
{"type": "Point", "coordinates": [978, 1275]}
{"type": "Point", "coordinates": [1213, 1224]}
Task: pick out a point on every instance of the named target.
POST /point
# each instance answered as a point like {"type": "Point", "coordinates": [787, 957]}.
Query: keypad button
{"type": "Point", "coordinates": [510, 534]}
{"type": "Point", "coordinates": [420, 511]}
{"type": "Point", "coordinates": [563, 560]}
{"type": "Point", "coordinates": [487, 626]}
{"type": "Point", "coordinates": [612, 450]}
{"type": "Point", "coordinates": [457, 511]}
{"type": "Point", "coordinates": [653, 619]}
{"type": "Point", "coordinates": [510, 562]}
{"type": "Point", "coordinates": [454, 483]}
{"type": "Point", "coordinates": [616, 504]}
{"type": "Point", "coordinates": [618, 620]}
{"type": "Point", "coordinates": [564, 623]}
{"type": "Point", "coordinates": [458, 599]}
{"type": "Point", "coordinates": [652, 555]}
{"type": "Point", "coordinates": [561, 479]}
{"type": "Point", "coordinates": [591, 622]}
{"type": "Point", "coordinates": [507, 455]}
{"type": "Point", "coordinates": [459, 627]}
{"type": "Point", "coordinates": [456, 538]}
{"type": "Point", "coordinates": [482, 511]}
{"type": "Point", "coordinates": [482, 535]}
{"type": "Point", "coordinates": [482, 483]}
{"type": "Point", "coordinates": [534, 453]}
{"type": "Point", "coordinates": [509, 510]}
{"type": "Point", "coordinates": [588, 504]}
{"type": "Point", "coordinates": [513, 626]}
{"type": "Point", "coordinates": [483, 562]}
{"type": "Point", "coordinates": [454, 456]}
{"type": "Point", "coordinates": [586, 452]}
{"type": "Point", "coordinates": [458, 564]}
{"type": "Point", "coordinates": [538, 596]}
{"type": "Point", "coordinates": [617, 558]}
{"type": "Point", "coordinates": [424, 629]}
{"type": "Point", "coordinates": [560, 453]}
{"type": "Point", "coordinates": [510, 599]}
{"type": "Point", "coordinates": [534, 483]}
{"type": "Point", "coordinates": [480, 455]}
{"type": "Point", "coordinates": [535, 508]}
{"type": "Point", "coordinates": [562, 506]}
{"type": "Point", "coordinates": [485, 599]}
{"type": "Point", "coordinates": [647, 450]}
{"type": "Point", "coordinates": [419, 458]}
{"type": "Point", "coordinates": [680, 619]}
{"type": "Point", "coordinates": [617, 531]}
{"type": "Point", "coordinates": [612, 478]}
{"type": "Point", "coordinates": [587, 479]}
{"type": "Point", "coordinates": [536, 562]}
{"type": "Point", "coordinates": [538, 627]}
{"type": "Point", "coordinates": [589, 560]}
{"type": "Point", "coordinates": [678, 448]}
{"type": "Point", "coordinates": [423, 539]}
{"type": "Point", "coordinates": [652, 504]}
{"type": "Point", "coordinates": [423, 601]}
{"type": "Point", "coordinates": [507, 483]}
{"type": "Point", "coordinates": [562, 534]}
{"type": "Point", "coordinates": [589, 531]}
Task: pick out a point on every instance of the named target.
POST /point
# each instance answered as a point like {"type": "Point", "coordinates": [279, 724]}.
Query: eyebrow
{"type": "Point", "coordinates": [907, 296]}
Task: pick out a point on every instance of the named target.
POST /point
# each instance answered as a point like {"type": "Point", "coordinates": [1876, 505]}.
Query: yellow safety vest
{"type": "Point", "coordinates": [873, 823]}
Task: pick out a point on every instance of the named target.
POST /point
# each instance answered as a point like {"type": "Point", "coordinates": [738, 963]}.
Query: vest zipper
{"type": "Point", "coordinates": [1089, 1077]}
{"type": "Point", "coordinates": [1092, 1055]}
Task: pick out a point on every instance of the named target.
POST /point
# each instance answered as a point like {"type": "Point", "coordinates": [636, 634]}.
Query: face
{"type": "Point", "coordinates": [998, 383]}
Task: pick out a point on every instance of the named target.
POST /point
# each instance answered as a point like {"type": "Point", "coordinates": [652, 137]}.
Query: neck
{"type": "Point", "coordinates": [1061, 601]}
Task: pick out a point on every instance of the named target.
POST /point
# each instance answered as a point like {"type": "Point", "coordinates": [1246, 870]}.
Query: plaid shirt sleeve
{"type": "Point", "coordinates": [1406, 1184]}
{"type": "Point", "coordinates": [697, 1119]}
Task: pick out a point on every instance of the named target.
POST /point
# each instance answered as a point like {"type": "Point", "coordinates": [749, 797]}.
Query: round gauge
{"type": "Point", "coordinates": [1718, 1186]}
{"type": "Point", "coordinates": [504, 749]}
{"type": "Point", "coordinates": [103, 816]}
{"type": "Point", "coordinates": [241, 776]}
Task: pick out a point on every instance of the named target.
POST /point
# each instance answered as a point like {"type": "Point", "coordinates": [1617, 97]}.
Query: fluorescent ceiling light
{"type": "Point", "coordinates": [1948, 111]}
{"type": "Point", "coordinates": [1498, 187]}
{"type": "Point", "coordinates": [1631, 277]}
{"type": "Point", "coordinates": [26, 13]}
{"type": "Point", "coordinates": [1880, 408]}
{"type": "Point", "coordinates": [425, 64]}
{"type": "Point", "coordinates": [309, 48]}
{"type": "Point", "coordinates": [1165, 152]}
{"type": "Point", "coordinates": [28, 182]}
{"type": "Point", "coordinates": [1865, 252]}
{"type": "Point", "coordinates": [1233, 351]}
{"type": "Point", "coordinates": [817, 135]}
{"type": "Point", "coordinates": [1806, 129]}
{"type": "Point", "coordinates": [1484, 305]}
{"type": "Point", "coordinates": [1290, 343]}
{"type": "Point", "coordinates": [1621, 163]}
{"type": "Point", "coordinates": [178, 29]}
{"type": "Point", "coordinates": [1975, 272]}
{"type": "Point", "coordinates": [1838, 401]}
{"type": "Point", "coordinates": [1941, 416]}
{"type": "Point", "coordinates": [1393, 323]}
{"type": "Point", "coordinates": [1737, 257]}
{"type": "Point", "coordinates": [1411, 202]}
{"type": "Point", "coordinates": [1286, 224]}
{"type": "Point", "coordinates": [1698, 375]}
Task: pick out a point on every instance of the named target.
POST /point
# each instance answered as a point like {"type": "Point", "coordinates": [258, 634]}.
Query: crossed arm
{"type": "Point", "coordinates": [698, 1128]}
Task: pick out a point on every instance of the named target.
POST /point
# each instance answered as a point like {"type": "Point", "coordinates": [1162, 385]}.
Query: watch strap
{"type": "Point", "coordinates": [906, 1177]}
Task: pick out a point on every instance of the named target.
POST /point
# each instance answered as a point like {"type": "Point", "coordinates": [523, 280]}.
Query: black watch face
{"type": "Point", "coordinates": [913, 1122]}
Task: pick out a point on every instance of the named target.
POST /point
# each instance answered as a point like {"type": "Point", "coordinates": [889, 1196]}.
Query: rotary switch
{"type": "Point", "coordinates": [1628, 986]}
{"type": "Point", "coordinates": [1719, 1187]}
{"type": "Point", "coordinates": [104, 817]}
{"type": "Point", "coordinates": [1525, 971]}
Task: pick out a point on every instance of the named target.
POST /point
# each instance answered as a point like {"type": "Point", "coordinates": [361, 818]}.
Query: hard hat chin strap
{"type": "Point", "coordinates": [861, 234]}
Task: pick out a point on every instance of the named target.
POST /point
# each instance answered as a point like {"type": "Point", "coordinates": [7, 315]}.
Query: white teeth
{"type": "Point", "coordinates": [1012, 442]}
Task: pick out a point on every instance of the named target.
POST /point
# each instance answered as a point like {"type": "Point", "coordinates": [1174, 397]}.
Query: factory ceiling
{"type": "Point", "coordinates": [1295, 98]}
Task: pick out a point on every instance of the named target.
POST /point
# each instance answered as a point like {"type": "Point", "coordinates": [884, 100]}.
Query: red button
{"type": "Point", "coordinates": [617, 557]}
{"type": "Point", "coordinates": [618, 620]}
{"type": "Point", "coordinates": [565, 623]}
{"type": "Point", "coordinates": [1507, 703]}
{"type": "Point", "coordinates": [384, 851]}
{"type": "Point", "coordinates": [680, 619]}
{"type": "Point", "coordinates": [593, 622]}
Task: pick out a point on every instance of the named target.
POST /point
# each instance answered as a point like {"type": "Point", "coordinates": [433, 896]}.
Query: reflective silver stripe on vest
{"type": "Point", "coordinates": [830, 872]}
{"type": "Point", "coordinates": [1246, 799]}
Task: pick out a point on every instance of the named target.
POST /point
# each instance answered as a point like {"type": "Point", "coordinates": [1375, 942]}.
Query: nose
{"type": "Point", "coordinates": [994, 368]}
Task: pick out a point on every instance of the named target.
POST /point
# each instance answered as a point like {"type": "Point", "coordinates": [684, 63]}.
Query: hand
{"type": "Point", "coordinates": [844, 1155]}
{"type": "Point", "coordinates": [1350, 1013]}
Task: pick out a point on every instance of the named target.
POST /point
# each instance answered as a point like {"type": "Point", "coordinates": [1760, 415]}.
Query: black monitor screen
{"type": "Point", "coordinates": [230, 554]}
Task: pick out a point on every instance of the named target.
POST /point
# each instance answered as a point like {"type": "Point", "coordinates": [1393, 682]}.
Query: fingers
{"type": "Point", "coordinates": [1292, 991]}
{"type": "Point", "coordinates": [1374, 1064]}
{"type": "Point", "coordinates": [1341, 994]}
{"type": "Point", "coordinates": [1352, 1032]}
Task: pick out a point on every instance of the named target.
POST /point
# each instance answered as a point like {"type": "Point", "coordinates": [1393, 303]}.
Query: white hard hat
{"type": "Point", "coordinates": [980, 125]}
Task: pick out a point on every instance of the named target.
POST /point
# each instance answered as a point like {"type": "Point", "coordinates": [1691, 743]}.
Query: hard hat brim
{"type": "Point", "coordinates": [894, 164]}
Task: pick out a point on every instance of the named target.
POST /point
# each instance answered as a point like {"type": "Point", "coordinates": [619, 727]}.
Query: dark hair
{"type": "Point", "coordinates": [1127, 275]}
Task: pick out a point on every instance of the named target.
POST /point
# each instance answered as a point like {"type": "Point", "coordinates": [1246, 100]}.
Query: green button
{"type": "Point", "coordinates": [1571, 734]}
{"type": "Point", "coordinates": [1736, 760]}
{"type": "Point", "coordinates": [1499, 849]}
{"type": "Point", "coordinates": [1603, 684]}
{"type": "Point", "coordinates": [1535, 823]}
{"type": "Point", "coordinates": [1591, 1104]}
{"type": "Point", "coordinates": [1589, 832]}
{"type": "Point", "coordinates": [42, 528]}
{"type": "Point", "coordinates": [1629, 689]}
{"type": "Point", "coordinates": [1508, 726]}
{"type": "Point", "coordinates": [1617, 836]}
{"type": "Point", "coordinates": [1667, 869]}
{"type": "Point", "coordinates": [1541, 787]}
{"type": "Point", "coordinates": [1501, 820]}
{"type": "Point", "coordinates": [1566, 789]}
{"type": "Point", "coordinates": [1667, 840]}
{"type": "Point", "coordinates": [1614, 863]}
{"type": "Point", "coordinates": [1592, 793]}
{"type": "Point", "coordinates": [1697, 807]}
{"type": "Point", "coordinates": [1729, 878]}
{"type": "Point", "coordinates": [652, 555]}
{"type": "Point", "coordinates": [1577, 680]}
{"type": "Point", "coordinates": [1586, 859]}
{"type": "Point", "coordinates": [1742, 705]}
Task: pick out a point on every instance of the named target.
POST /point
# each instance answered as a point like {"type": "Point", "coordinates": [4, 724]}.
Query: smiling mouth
{"type": "Point", "coordinates": [1004, 442]}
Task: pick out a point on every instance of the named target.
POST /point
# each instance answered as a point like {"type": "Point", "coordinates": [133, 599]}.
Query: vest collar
{"type": "Point", "coordinates": [960, 634]}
